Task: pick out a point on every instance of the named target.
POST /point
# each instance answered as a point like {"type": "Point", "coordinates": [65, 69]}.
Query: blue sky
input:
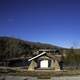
{"type": "Point", "coordinates": [49, 21]}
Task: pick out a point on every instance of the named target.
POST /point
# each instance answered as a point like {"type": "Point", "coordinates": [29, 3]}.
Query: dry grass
{"type": "Point", "coordinates": [45, 73]}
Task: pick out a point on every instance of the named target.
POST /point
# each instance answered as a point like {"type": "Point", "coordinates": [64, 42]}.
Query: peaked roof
{"type": "Point", "coordinates": [36, 56]}
{"type": "Point", "coordinates": [48, 54]}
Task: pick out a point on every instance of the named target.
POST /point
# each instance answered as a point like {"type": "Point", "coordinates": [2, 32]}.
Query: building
{"type": "Point", "coordinates": [46, 60]}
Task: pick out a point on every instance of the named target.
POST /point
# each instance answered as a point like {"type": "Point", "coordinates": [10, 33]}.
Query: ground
{"type": "Point", "coordinates": [43, 74]}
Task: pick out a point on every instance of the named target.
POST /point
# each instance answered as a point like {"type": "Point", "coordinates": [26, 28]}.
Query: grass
{"type": "Point", "coordinates": [46, 74]}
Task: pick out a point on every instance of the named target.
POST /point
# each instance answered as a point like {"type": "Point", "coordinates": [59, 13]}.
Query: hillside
{"type": "Point", "coordinates": [15, 48]}
{"type": "Point", "coordinates": [12, 47]}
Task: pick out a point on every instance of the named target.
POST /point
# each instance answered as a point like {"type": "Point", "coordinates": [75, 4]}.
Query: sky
{"type": "Point", "coordinates": [55, 22]}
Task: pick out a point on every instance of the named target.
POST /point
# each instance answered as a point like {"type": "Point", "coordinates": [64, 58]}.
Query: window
{"type": "Point", "coordinates": [44, 64]}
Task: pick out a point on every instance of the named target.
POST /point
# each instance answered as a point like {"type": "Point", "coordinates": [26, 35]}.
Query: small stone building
{"type": "Point", "coordinates": [46, 60]}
